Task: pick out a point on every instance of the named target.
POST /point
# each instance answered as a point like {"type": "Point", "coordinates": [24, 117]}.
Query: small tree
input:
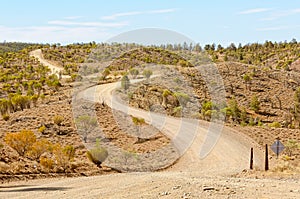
{"type": "Point", "coordinates": [105, 73]}
{"type": "Point", "coordinates": [255, 104]}
{"type": "Point", "coordinates": [147, 73]}
{"type": "Point", "coordinates": [247, 79]}
{"type": "Point", "coordinates": [165, 95]}
{"type": "Point", "coordinates": [86, 125]}
{"type": "Point", "coordinates": [138, 122]}
{"type": "Point", "coordinates": [234, 109]}
{"type": "Point", "coordinates": [182, 98]}
{"type": "Point", "coordinates": [134, 72]}
{"type": "Point", "coordinates": [292, 146]}
{"type": "Point", "coordinates": [296, 111]}
{"type": "Point", "coordinates": [125, 82]}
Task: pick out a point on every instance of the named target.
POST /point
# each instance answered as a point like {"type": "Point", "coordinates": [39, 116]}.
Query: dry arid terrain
{"type": "Point", "coordinates": [70, 107]}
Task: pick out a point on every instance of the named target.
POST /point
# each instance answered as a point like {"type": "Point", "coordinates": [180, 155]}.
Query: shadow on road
{"type": "Point", "coordinates": [32, 188]}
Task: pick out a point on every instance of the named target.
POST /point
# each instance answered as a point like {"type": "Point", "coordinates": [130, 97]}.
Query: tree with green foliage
{"type": "Point", "coordinates": [255, 104]}
{"type": "Point", "coordinates": [138, 122]}
{"type": "Point", "coordinates": [296, 111]}
{"type": "Point", "coordinates": [247, 79]}
{"type": "Point", "coordinates": [134, 72]}
{"type": "Point", "coordinates": [105, 73]}
{"type": "Point", "coordinates": [234, 110]}
{"type": "Point", "coordinates": [125, 83]}
{"type": "Point", "coordinates": [292, 146]}
{"type": "Point", "coordinates": [147, 73]}
{"type": "Point", "coordinates": [165, 95]}
{"type": "Point", "coordinates": [86, 124]}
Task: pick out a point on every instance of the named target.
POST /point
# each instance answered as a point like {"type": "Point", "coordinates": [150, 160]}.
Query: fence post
{"type": "Point", "coordinates": [266, 159]}
{"type": "Point", "coordinates": [251, 158]}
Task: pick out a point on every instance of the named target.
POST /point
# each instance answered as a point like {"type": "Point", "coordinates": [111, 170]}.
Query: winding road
{"type": "Point", "coordinates": [229, 155]}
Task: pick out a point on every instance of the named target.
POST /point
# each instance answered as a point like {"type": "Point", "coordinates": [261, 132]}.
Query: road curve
{"type": "Point", "coordinates": [54, 69]}
{"type": "Point", "coordinates": [187, 176]}
{"type": "Point", "coordinates": [230, 153]}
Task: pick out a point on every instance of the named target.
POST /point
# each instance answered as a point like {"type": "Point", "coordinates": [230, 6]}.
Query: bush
{"type": "Point", "coordinates": [47, 163]}
{"type": "Point", "coordinates": [134, 72]}
{"type": "Point", "coordinates": [292, 146]}
{"type": "Point", "coordinates": [63, 156]}
{"type": "Point", "coordinates": [275, 125]}
{"type": "Point", "coordinates": [177, 111]}
{"type": "Point", "coordinates": [138, 121]}
{"type": "Point", "coordinates": [98, 154]}
{"type": "Point", "coordinates": [125, 82]}
{"type": "Point", "coordinates": [5, 117]}
{"type": "Point", "coordinates": [38, 148]}
{"type": "Point", "coordinates": [42, 129]}
{"type": "Point", "coordinates": [69, 151]}
{"type": "Point", "coordinates": [147, 73]}
{"type": "Point", "coordinates": [255, 104]}
{"type": "Point", "coordinates": [58, 119]}
{"type": "Point", "coordinates": [21, 142]}
{"type": "Point", "coordinates": [182, 98]}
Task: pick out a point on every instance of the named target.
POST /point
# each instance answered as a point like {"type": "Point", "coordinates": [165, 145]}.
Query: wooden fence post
{"type": "Point", "coordinates": [266, 159]}
{"type": "Point", "coordinates": [251, 159]}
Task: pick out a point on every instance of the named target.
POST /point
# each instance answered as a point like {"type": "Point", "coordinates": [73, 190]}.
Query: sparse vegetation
{"type": "Point", "coordinates": [97, 154]}
{"type": "Point", "coordinates": [250, 73]}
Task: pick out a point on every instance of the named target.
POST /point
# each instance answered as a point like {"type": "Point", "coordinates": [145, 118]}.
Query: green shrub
{"type": "Point", "coordinates": [69, 151]}
{"type": "Point", "coordinates": [292, 146]}
{"type": "Point", "coordinates": [275, 125]}
{"type": "Point", "coordinates": [177, 111]}
{"type": "Point", "coordinates": [5, 117]}
{"type": "Point", "coordinates": [255, 104]}
{"type": "Point", "coordinates": [97, 154]}
{"type": "Point", "coordinates": [147, 73]}
{"type": "Point", "coordinates": [182, 98]}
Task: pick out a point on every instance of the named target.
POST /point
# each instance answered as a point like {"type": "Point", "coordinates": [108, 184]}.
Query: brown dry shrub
{"type": "Point", "coordinates": [47, 163]}
{"type": "Point", "coordinates": [38, 148]}
{"type": "Point", "coordinates": [21, 142]}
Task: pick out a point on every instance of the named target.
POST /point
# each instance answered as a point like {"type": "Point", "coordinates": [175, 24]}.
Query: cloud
{"type": "Point", "coordinates": [161, 11]}
{"type": "Point", "coordinates": [73, 17]}
{"type": "Point", "coordinates": [280, 14]}
{"type": "Point", "coordinates": [255, 10]}
{"type": "Point", "coordinates": [90, 24]}
{"type": "Point", "coordinates": [277, 28]}
{"type": "Point", "coordinates": [53, 34]}
{"type": "Point", "coordinates": [124, 14]}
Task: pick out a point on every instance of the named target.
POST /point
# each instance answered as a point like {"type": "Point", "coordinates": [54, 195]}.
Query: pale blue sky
{"type": "Point", "coordinates": [226, 21]}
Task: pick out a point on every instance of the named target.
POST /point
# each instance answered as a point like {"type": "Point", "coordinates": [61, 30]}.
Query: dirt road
{"type": "Point", "coordinates": [190, 177]}
{"type": "Point", "coordinates": [54, 69]}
